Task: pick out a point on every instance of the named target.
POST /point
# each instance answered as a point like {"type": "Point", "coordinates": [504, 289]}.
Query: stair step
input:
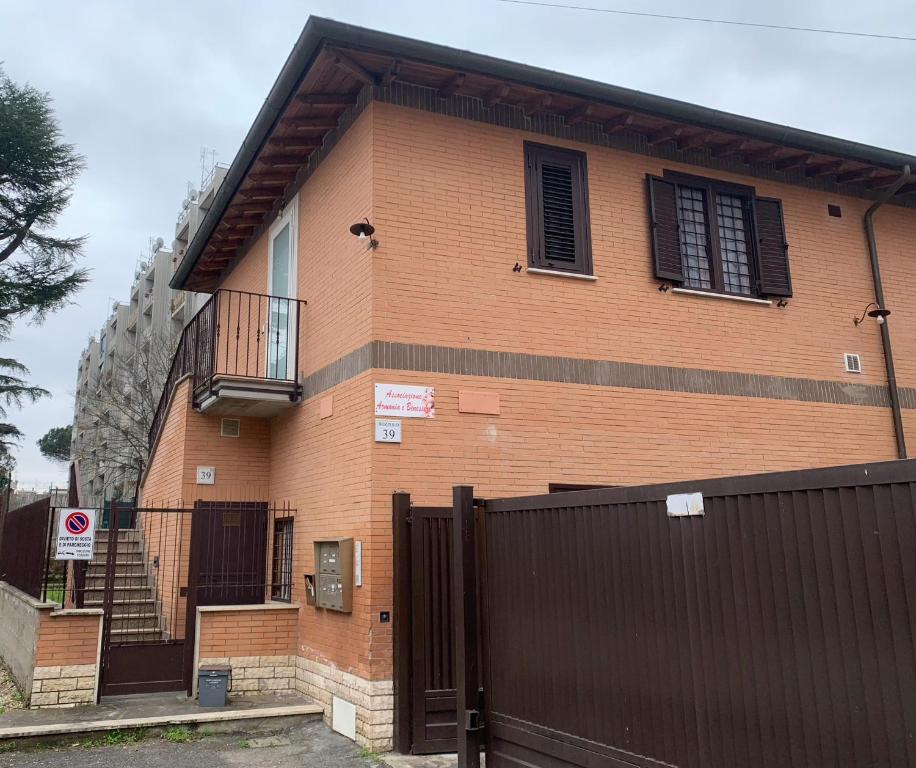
{"type": "Point", "coordinates": [102, 537]}
{"type": "Point", "coordinates": [127, 610]}
{"type": "Point", "coordinates": [128, 562]}
{"type": "Point", "coordinates": [139, 601]}
{"type": "Point", "coordinates": [135, 623]}
{"type": "Point", "coordinates": [124, 571]}
{"type": "Point", "coordinates": [97, 584]}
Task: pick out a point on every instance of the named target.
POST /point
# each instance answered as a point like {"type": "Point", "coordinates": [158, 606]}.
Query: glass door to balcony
{"type": "Point", "coordinates": [281, 290]}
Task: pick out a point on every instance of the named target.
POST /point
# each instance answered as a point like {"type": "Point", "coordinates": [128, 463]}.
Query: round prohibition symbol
{"type": "Point", "coordinates": [77, 523]}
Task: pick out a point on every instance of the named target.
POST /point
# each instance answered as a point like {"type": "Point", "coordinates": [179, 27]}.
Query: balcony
{"type": "Point", "coordinates": [241, 351]}
{"type": "Point", "coordinates": [177, 303]}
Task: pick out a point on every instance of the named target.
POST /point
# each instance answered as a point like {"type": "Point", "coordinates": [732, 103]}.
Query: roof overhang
{"type": "Point", "coordinates": [332, 63]}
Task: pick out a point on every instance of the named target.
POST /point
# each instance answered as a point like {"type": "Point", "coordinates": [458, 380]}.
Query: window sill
{"type": "Point", "coordinates": [558, 273]}
{"type": "Point", "coordinates": [725, 296]}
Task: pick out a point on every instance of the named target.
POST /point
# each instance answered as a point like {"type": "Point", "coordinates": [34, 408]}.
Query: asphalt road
{"type": "Point", "coordinates": [312, 745]}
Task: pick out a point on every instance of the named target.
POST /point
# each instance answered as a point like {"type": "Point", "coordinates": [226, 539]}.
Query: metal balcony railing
{"type": "Point", "coordinates": [236, 336]}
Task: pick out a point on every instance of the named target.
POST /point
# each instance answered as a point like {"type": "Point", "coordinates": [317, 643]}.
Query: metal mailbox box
{"type": "Point", "coordinates": [334, 574]}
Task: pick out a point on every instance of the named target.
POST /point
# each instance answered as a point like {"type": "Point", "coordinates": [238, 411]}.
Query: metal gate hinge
{"type": "Point", "coordinates": [472, 720]}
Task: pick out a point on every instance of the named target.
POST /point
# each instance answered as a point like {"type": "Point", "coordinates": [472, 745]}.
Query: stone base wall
{"type": "Point", "coordinates": [66, 686]}
{"type": "Point", "coordinates": [259, 674]}
{"type": "Point", "coordinates": [373, 699]}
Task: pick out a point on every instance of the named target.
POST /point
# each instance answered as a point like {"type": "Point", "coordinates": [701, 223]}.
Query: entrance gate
{"type": "Point", "coordinates": [144, 631]}
{"type": "Point", "coordinates": [152, 568]}
{"type": "Point", "coordinates": [424, 686]}
{"type": "Point", "coordinates": [771, 626]}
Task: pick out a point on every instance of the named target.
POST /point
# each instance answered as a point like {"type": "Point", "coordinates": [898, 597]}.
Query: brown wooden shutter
{"type": "Point", "coordinates": [772, 248]}
{"type": "Point", "coordinates": [557, 209]}
{"type": "Point", "coordinates": [666, 244]}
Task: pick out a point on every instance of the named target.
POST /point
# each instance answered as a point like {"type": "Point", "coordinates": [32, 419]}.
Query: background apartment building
{"type": "Point", "coordinates": [121, 372]}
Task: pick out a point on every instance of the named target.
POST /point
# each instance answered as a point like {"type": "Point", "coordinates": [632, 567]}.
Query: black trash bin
{"type": "Point", "coordinates": [214, 681]}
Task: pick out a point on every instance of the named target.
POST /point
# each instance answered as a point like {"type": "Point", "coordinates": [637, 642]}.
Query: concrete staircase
{"type": "Point", "coordinates": [135, 613]}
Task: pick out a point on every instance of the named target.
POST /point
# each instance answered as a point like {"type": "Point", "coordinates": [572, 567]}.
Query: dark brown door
{"type": "Point", "coordinates": [433, 673]}
{"type": "Point", "coordinates": [228, 562]}
{"type": "Point", "coordinates": [229, 553]}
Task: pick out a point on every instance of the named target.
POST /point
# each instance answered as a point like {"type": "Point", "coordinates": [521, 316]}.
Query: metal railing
{"type": "Point", "coordinates": [236, 335]}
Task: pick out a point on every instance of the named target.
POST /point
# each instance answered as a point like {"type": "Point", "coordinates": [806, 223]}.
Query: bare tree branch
{"type": "Point", "coordinates": [113, 423]}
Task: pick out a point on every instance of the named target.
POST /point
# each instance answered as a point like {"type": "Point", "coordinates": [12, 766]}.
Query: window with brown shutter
{"type": "Point", "coordinates": [711, 235]}
{"type": "Point", "coordinates": [556, 192]}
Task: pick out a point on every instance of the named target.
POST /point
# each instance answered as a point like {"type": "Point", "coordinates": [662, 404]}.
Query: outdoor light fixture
{"type": "Point", "coordinates": [873, 310]}
{"type": "Point", "coordinates": [364, 231]}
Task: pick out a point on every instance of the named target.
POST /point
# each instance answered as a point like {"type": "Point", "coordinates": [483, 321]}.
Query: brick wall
{"type": "Point", "coordinates": [67, 658]}
{"type": "Point", "coordinates": [68, 637]}
{"type": "Point", "coordinates": [53, 655]}
{"type": "Point", "coordinates": [264, 631]}
{"type": "Point", "coordinates": [165, 474]}
{"type": "Point", "coordinates": [258, 642]}
{"type": "Point", "coordinates": [449, 209]}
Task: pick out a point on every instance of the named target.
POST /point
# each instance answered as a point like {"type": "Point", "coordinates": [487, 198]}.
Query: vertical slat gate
{"type": "Point", "coordinates": [778, 628]}
{"type": "Point", "coordinates": [424, 687]}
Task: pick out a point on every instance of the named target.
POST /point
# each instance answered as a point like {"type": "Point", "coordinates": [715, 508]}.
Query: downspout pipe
{"type": "Point", "coordinates": [879, 299]}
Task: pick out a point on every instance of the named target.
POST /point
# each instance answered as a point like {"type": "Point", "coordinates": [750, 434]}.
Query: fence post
{"type": "Point", "coordinates": [402, 630]}
{"type": "Point", "coordinates": [464, 584]}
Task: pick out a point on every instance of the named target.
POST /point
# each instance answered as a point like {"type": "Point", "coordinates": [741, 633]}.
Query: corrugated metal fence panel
{"type": "Point", "coordinates": [776, 630]}
{"type": "Point", "coordinates": [24, 546]}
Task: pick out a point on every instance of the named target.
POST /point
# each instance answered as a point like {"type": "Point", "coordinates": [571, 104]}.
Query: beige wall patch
{"type": "Point", "coordinates": [475, 401]}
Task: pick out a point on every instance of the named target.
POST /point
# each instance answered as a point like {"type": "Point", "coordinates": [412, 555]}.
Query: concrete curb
{"type": "Point", "coordinates": [195, 718]}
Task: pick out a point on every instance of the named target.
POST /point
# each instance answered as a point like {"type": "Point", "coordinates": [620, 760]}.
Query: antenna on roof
{"type": "Point", "coordinates": [207, 164]}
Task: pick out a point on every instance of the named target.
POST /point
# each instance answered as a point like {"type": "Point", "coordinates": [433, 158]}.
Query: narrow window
{"type": "Point", "coordinates": [691, 218]}
{"type": "Point", "coordinates": [733, 243]}
{"type": "Point", "coordinates": [282, 579]}
{"type": "Point", "coordinates": [556, 190]}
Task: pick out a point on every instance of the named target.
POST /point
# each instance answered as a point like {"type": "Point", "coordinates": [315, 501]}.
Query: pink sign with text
{"type": "Point", "coordinates": [405, 401]}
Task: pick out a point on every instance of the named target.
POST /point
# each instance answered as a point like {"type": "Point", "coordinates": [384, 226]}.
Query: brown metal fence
{"type": "Point", "coordinates": [778, 629]}
{"type": "Point", "coordinates": [24, 544]}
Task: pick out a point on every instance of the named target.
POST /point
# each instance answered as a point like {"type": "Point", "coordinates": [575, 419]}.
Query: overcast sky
{"type": "Point", "coordinates": [139, 88]}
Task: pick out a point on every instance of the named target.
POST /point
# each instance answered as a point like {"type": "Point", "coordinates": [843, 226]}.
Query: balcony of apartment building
{"type": "Point", "coordinates": [147, 302]}
{"type": "Point", "coordinates": [133, 316]}
{"type": "Point", "coordinates": [241, 351]}
{"type": "Point", "coordinates": [179, 299]}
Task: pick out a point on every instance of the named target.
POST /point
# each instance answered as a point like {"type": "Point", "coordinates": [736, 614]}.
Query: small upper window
{"type": "Point", "coordinates": [714, 236]}
{"type": "Point", "coordinates": [556, 191]}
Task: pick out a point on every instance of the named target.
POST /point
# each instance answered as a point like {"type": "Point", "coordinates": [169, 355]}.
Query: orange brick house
{"type": "Point", "coordinates": [597, 286]}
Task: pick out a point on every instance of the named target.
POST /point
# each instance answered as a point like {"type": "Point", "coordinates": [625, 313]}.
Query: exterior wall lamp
{"type": "Point", "coordinates": [874, 310]}
{"type": "Point", "coordinates": [364, 231]}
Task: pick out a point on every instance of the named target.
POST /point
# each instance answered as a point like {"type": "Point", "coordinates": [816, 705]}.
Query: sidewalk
{"type": "Point", "coordinates": [157, 710]}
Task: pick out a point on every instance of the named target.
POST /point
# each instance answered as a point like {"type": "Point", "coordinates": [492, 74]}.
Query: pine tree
{"type": "Point", "coordinates": [38, 272]}
{"type": "Point", "coordinates": [55, 443]}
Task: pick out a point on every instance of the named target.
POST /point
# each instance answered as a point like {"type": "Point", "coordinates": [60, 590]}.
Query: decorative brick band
{"type": "Point", "coordinates": [603, 373]}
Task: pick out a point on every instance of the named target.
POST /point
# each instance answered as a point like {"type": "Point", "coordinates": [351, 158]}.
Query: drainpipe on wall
{"type": "Point", "coordinates": [879, 298]}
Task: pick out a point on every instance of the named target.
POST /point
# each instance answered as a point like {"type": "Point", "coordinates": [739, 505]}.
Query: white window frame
{"type": "Point", "coordinates": [289, 216]}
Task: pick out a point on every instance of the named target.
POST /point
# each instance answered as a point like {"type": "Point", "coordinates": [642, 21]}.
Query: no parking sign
{"type": "Point", "coordinates": [75, 534]}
